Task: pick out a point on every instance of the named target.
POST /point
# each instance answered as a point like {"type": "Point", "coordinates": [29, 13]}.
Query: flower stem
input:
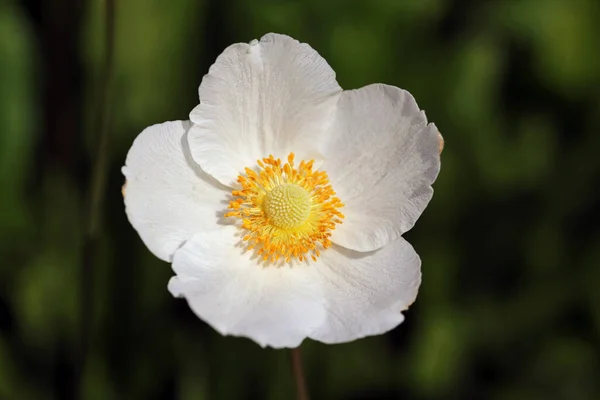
{"type": "Point", "coordinates": [95, 198]}
{"type": "Point", "coordinates": [298, 372]}
{"type": "Point", "coordinates": [101, 157]}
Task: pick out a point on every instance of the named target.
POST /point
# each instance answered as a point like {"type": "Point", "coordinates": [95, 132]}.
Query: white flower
{"type": "Point", "coordinates": [282, 203]}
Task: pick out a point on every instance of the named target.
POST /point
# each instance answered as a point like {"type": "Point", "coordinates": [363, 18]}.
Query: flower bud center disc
{"type": "Point", "coordinates": [287, 206]}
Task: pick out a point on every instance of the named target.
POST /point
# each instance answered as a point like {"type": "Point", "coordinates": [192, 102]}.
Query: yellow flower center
{"type": "Point", "coordinates": [287, 206]}
{"type": "Point", "coordinates": [289, 212]}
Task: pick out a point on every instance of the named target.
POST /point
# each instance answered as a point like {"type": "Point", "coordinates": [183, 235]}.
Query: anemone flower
{"type": "Point", "coordinates": [282, 202]}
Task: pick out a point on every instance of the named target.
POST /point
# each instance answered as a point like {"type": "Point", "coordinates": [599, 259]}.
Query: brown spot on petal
{"type": "Point", "coordinates": [123, 189]}
{"type": "Point", "coordinates": [406, 307]}
{"type": "Point", "coordinates": [441, 142]}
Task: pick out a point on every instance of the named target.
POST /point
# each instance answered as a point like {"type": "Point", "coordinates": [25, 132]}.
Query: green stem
{"type": "Point", "coordinates": [96, 197]}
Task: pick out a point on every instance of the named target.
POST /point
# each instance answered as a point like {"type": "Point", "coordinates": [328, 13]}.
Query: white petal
{"type": "Point", "coordinates": [274, 306]}
{"type": "Point", "coordinates": [366, 292]}
{"type": "Point", "coordinates": [167, 196]}
{"type": "Point", "coordinates": [272, 96]}
{"type": "Point", "coordinates": [382, 158]}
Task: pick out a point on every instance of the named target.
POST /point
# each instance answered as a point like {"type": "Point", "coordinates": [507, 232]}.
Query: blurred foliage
{"type": "Point", "coordinates": [509, 307]}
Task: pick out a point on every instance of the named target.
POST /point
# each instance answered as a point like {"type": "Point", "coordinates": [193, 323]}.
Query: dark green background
{"type": "Point", "coordinates": [509, 307]}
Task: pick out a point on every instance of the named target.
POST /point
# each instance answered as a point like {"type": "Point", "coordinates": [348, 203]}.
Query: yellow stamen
{"type": "Point", "coordinates": [289, 212]}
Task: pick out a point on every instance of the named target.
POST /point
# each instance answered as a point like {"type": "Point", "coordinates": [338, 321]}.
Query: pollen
{"type": "Point", "coordinates": [287, 211]}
